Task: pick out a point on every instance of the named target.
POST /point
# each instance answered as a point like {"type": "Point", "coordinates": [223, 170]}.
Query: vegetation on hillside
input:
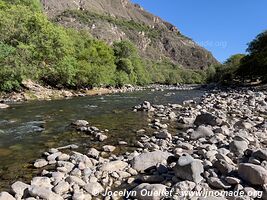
{"type": "Point", "coordinates": [226, 72]}
{"type": "Point", "coordinates": [32, 47]}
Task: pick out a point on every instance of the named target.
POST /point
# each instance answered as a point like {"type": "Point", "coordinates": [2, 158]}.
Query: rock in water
{"type": "Point", "coordinates": [154, 191]}
{"type": "Point", "coordinates": [148, 160]}
{"type": "Point", "coordinates": [253, 174]}
{"type": "Point", "coordinates": [80, 123]}
{"type": "Point", "coordinates": [3, 106]}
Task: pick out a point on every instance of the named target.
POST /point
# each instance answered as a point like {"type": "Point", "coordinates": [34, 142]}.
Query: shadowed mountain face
{"type": "Point", "coordinates": [115, 20]}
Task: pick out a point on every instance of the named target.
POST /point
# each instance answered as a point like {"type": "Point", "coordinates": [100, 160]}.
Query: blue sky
{"type": "Point", "coordinates": [224, 27]}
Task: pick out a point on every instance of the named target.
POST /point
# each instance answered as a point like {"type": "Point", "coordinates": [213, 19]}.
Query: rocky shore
{"type": "Point", "coordinates": [218, 150]}
{"type": "Point", "coordinates": [35, 91]}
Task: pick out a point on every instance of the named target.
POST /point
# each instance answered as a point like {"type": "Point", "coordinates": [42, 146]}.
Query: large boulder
{"type": "Point", "coordinates": [147, 191]}
{"type": "Point", "coordinates": [189, 169]}
{"type": "Point", "coordinates": [147, 160]}
{"type": "Point", "coordinates": [253, 174]}
{"type": "Point", "coordinates": [207, 119]}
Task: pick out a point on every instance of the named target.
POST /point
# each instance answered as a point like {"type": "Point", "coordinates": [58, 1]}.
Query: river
{"type": "Point", "coordinates": [28, 129]}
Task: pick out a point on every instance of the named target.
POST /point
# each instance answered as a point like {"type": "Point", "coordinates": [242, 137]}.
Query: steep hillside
{"type": "Point", "coordinates": [115, 20]}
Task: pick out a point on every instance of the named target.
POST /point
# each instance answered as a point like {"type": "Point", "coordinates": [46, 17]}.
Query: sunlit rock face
{"type": "Point", "coordinates": [116, 20]}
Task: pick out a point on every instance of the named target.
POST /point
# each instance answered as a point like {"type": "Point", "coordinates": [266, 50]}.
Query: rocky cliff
{"type": "Point", "coordinates": [115, 20]}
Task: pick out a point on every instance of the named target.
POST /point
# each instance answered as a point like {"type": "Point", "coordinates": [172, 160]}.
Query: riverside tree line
{"type": "Point", "coordinates": [32, 47]}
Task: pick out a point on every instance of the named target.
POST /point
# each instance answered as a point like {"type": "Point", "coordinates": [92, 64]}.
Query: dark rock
{"type": "Point", "coordinates": [207, 119]}
{"type": "Point", "coordinates": [253, 174]}
{"type": "Point", "coordinates": [261, 154]}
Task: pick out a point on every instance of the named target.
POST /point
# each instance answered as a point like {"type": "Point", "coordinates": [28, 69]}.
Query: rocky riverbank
{"type": "Point", "coordinates": [35, 91]}
{"type": "Point", "coordinates": [218, 145]}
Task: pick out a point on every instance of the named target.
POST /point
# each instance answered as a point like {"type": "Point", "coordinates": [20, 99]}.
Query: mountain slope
{"type": "Point", "coordinates": [115, 20]}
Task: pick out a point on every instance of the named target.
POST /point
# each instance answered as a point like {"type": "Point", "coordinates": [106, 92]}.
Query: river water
{"type": "Point", "coordinates": [28, 129]}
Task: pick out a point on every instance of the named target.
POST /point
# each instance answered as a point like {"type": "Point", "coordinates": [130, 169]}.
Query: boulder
{"type": "Point", "coordinates": [19, 188]}
{"type": "Point", "coordinates": [44, 193]}
{"type": "Point", "coordinates": [92, 152]}
{"type": "Point", "coordinates": [109, 148]}
{"type": "Point", "coordinates": [164, 134]}
{"type": "Point", "coordinates": [202, 132]}
{"type": "Point", "coordinates": [6, 196]}
{"type": "Point", "coordinates": [147, 160]}
{"type": "Point", "coordinates": [43, 182]}
{"type": "Point", "coordinates": [40, 163]}
{"type": "Point", "coordinates": [253, 174]}
{"type": "Point", "coordinates": [238, 147]}
{"type": "Point", "coordinates": [260, 154]}
{"type": "Point", "coordinates": [76, 180]}
{"type": "Point", "coordinates": [223, 167]}
{"type": "Point", "coordinates": [207, 119]}
{"type": "Point", "coordinates": [80, 123]}
{"type": "Point", "coordinates": [114, 166]}
{"type": "Point", "coordinates": [185, 159]}
{"type": "Point", "coordinates": [189, 169]}
{"type": "Point", "coordinates": [62, 187]}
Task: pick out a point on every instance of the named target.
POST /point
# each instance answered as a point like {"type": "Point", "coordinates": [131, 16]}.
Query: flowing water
{"type": "Point", "coordinates": [29, 129]}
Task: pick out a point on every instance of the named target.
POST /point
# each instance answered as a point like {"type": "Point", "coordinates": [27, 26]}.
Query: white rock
{"type": "Point", "coordinates": [44, 193]}
{"type": "Point", "coordinates": [6, 196]}
{"type": "Point", "coordinates": [40, 163]}
{"type": "Point", "coordinates": [109, 148]}
{"type": "Point", "coordinates": [18, 188]}
{"type": "Point", "coordinates": [94, 188]}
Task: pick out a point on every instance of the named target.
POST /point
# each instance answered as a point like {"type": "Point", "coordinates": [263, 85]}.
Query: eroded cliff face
{"type": "Point", "coordinates": [115, 20]}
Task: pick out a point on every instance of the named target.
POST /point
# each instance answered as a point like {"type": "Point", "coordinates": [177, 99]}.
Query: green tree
{"type": "Point", "coordinates": [254, 65]}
